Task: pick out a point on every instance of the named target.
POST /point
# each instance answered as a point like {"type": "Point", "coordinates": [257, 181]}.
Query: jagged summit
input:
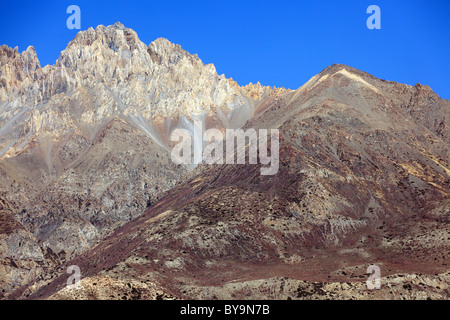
{"type": "Point", "coordinates": [103, 42]}
{"type": "Point", "coordinates": [118, 25]}
{"type": "Point", "coordinates": [17, 69]}
{"type": "Point", "coordinates": [124, 42]}
{"type": "Point", "coordinates": [165, 52]}
{"type": "Point", "coordinates": [165, 43]}
{"type": "Point", "coordinates": [100, 32]}
{"type": "Point", "coordinates": [107, 73]}
{"type": "Point", "coordinates": [27, 59]}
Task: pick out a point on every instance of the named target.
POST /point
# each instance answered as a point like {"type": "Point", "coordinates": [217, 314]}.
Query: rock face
{"type": "Point", "coordinates": [21, 260]}
{"type": "Point", "coordinates": [363, 179]}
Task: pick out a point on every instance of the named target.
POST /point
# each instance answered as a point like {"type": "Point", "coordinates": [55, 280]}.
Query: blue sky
{"type": "Point", "coordinates": [280, 43]}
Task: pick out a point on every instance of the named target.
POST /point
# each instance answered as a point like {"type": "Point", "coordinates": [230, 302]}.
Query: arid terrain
{"type": "Point", "coordinates": [87, 179]}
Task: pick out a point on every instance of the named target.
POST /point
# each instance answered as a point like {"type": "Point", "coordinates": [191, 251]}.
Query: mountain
{"type": "Point", "coordinates": [84, 143]}
{"type": "Point", "coordinates": [363, 179]}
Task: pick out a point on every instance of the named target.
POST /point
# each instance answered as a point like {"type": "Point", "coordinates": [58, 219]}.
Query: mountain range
{"type": "Point", "coordinates": [87, 179]}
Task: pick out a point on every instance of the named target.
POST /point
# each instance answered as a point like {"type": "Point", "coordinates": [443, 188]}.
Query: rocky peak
{"type": "Point", "coordinates": [164, 52]}
{"type": "Point", "coordinates": [258, 91]}
{"type": "Point", "coordinates": [25, 63]}
{"type": "Point", "coordinates": [114, 37]}
{"type": "Point", "coordinates": [17, 69]}
{"type": "Point", "coordinates": [105, 47]}
{"type": "Point", "coordinates": [107, 72]}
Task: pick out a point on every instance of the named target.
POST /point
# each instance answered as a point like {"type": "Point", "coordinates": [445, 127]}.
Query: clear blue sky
{"type": "Point", "coordinates": [281, 43]}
